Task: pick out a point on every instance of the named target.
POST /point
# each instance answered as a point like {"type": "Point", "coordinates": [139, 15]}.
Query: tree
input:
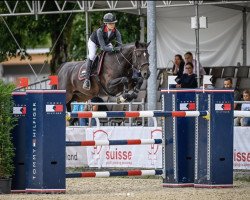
{"type": "Point", "coordinates": [65, 34]}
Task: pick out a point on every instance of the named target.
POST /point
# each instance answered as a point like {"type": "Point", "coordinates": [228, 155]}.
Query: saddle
{"type": "Point", "coordinates": [96, 66]}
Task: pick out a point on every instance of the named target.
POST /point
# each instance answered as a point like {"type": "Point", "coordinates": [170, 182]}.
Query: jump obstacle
{"type": "Point", "coordinates": [197, 146]}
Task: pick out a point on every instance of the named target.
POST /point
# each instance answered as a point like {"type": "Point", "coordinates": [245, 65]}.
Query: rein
{"type": "Point", "coordinates": [134, 50]}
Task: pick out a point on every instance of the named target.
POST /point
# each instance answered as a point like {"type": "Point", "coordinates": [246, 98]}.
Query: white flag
{"type": "Point", "coordinates": [207, 79]}
{"type": "Point", "coordinates": [171, 79]}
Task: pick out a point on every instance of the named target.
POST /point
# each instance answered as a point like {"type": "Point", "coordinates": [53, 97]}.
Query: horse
{"type": "Point", "coordinates": [115, 76]}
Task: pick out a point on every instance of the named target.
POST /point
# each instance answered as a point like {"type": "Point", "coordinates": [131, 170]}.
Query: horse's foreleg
{"type": "Point", "coordinates": [125, 82]}
{"type": "Point", "coordinates": [138, 81]}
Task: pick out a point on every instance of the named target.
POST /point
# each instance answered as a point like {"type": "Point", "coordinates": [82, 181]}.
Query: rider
{"type": "Point", "coordinates": [101, 38]}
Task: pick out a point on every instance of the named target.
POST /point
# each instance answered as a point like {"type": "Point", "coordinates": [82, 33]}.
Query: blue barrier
{"type": "Point", "coordinates": [191, 145]}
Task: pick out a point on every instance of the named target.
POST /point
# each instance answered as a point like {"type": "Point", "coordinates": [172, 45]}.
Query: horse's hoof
{"type": "Point", "coordinates": [120, 100]}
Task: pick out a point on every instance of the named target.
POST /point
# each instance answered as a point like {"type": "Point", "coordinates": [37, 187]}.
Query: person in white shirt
{"type": "Point", "coordinates": [244, 121]}
{"type": "Point", "coordinates": [189, 58]}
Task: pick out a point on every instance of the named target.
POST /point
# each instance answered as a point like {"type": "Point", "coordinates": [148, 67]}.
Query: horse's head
{"type": "Point", "coordinates": [140, 59]}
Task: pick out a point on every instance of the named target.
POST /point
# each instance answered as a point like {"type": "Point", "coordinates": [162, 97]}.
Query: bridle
{"type": "Point", "coordinates": [136, 57]}
{"type": "Point", "coordinates": [138, 68]}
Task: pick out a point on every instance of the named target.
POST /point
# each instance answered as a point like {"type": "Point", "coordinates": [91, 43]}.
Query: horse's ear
{"type": "Point", "coordinates": [137, 43]}
{"type": "Point", "coordinates": [148, 43]}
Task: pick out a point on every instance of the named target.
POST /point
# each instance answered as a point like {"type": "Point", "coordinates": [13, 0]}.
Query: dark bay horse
{"type": "Point", "coordinates": [114, 78]}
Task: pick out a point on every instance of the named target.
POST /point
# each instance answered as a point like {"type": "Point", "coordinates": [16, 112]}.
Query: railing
{"type": "Point", "coordinates": [142, 104]}
{"type": "Point", "coordinates": [44, 84]}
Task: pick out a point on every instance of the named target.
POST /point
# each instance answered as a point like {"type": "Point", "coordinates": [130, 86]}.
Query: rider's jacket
{"type": "Point", "coordinates": [101, 39]}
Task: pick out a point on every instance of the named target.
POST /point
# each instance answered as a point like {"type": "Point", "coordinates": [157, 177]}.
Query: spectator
{"type": "Point", "coordinates": [189, 58]}
{"type": "Point", "coordinates": [228, 84]}
{"type": "Point", "coordinates": [85, 121]}
{"type": "Point", "coordinates": [188, 80]}
{"type": "Point", "coordinates": [244, 121]}
{"type": "Point", "coordinates": [75, 108]}
{"type": "Point", "coordinates": [178, 66]}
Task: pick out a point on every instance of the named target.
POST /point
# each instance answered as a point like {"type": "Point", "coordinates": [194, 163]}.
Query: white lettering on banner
{"type": "Point", "coordinates": [146, 156]}
{"type": "Point", "coordinates": [34, 141]}
{"type": "Point", "coordinates": [241, 148]}
{"type": "Point", "coordinates": [76, 156]}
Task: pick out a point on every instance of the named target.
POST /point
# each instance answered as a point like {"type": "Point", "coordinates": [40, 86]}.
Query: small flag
{"type": "Point", "coordinates": [54, 108]}
{"type": "Point", "coordinates": [23, 82]}
{"type": "Point", "coordinates": [171, 80]}
{"type": "Point", "coordinates": [187, 106]}
{"type": "Point", "coordinates": [53, 80]}
{"type": "Point", "coordinates": [19, 110]}
{"type": "Point", "coordinates": [207, 79]}
{"type": "Point", "coordinates": [221, 106]}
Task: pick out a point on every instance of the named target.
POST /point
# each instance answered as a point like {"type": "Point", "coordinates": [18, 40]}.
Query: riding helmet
{"type": "Point", "coordinates": [109, 18]}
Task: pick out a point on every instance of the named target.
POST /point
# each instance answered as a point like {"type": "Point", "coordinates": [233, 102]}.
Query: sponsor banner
{"type": "Point", "coordinates": [76, 156]}
{"type": "Point", "coordinates": [242, 148]}
{"type": "Point", "coordinates": [145, 156]}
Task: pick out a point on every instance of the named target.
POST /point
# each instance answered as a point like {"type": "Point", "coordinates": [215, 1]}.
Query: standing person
{"type": "Point", "coordinates": [101, 38]}
{"type": "Point", "coordinates": [244, 121]}
{"type": "Point", "coordinates": [228, 84]}
{"type": "Point", "coordinates": [188, 80]}
{"type": "Point", "coordinates": [178, 66]}
{"type": "Point", "coordinates": [85, 121]}
{"type": "Point", "coordinates": [189, 58]}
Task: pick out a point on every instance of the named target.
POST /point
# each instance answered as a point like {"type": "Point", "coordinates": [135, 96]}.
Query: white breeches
{"type": "Point", "coordinates": [92, 49]}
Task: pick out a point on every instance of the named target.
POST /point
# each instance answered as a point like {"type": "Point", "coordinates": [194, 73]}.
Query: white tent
{"type": "Point", "coordinates": [220, 43]}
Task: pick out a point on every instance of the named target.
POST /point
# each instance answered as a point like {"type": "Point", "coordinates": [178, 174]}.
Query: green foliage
{"type": "Point", "coordinates": [65, 33]}
{"type": "Point", "coordinates": [7, 123]}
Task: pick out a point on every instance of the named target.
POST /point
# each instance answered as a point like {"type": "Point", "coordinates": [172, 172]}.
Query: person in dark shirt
{"type": "Point", "coordinates": [178, 66]}
{"type": "Point", "coordinates": [188, 80]}
{"type": "Point", "coordinates": [85, 121]}
{"type": "Point", "coordinates": [101, 38]}
{"type": "Point", "coordinates": [228, 84]}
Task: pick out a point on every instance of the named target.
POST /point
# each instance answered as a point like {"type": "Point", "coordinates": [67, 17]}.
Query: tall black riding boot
{"type": "Point", "coordinates": [87, 84]}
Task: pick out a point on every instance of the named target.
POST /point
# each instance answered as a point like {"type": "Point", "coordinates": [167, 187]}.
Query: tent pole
{"type": "Point", "coordinates": [151, 36]}
{"type": "Point", "coordinates": [87, 26]}
{"type": "Point", "coordinates": [197, 51]}
{"type": "Point", "coordinates": [244, 36]}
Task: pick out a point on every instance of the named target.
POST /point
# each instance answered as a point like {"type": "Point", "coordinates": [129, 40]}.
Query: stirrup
{"type": "Point", "coordinates": [86, 85]}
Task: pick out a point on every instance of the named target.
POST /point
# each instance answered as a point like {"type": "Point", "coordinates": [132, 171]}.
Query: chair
{"type": "Point", "coordinates": [158, 96]}
{"type": "Point", "coordinates": [216, 72]}
{"type": "Point", "coordinates": [141, 95]}
{"type": "Point", "coordinates": [228, 72]}
{"type": "Point", "coordinates": [158, 84]}
{"type": "Point", "coordinates": [159, 106]}
{"type": "Point", "coordinates": [244, 83]}
{"type": "Point", "coordinates": [219, 83]}
{"type": "Point", "coordinates": [207, 70]}
{"type": "Point", "coordinates": [144, 85]}
{"type": "Point", "coordinates": [242, 72]}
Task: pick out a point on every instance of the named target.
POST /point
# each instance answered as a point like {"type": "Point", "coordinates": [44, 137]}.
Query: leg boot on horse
{"type": "Point", "coordinates": [86, 83]}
